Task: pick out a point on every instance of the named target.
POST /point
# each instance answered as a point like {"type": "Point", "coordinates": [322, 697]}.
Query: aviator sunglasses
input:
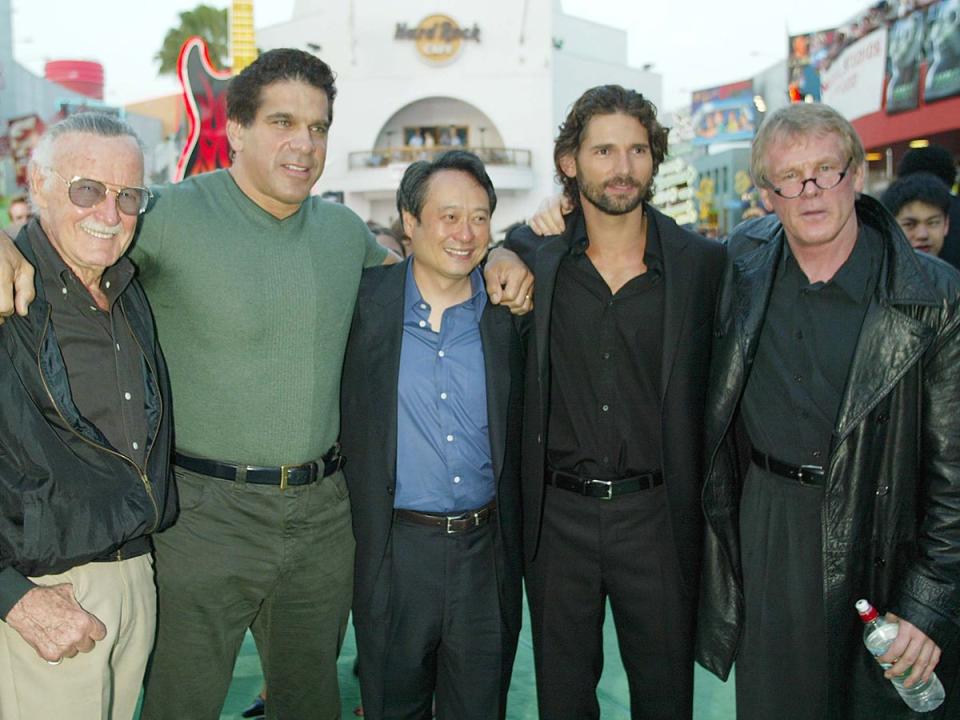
{"type": "Point", "coordinates": [86, 193]}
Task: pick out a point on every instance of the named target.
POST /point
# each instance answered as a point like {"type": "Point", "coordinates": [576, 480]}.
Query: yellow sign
{"type": "Point", "coordinates": [438, 37]}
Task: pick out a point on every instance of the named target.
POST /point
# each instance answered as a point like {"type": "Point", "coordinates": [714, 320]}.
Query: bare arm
{"type": "Point", "coordinates": [16, 280]}
{"type": "Point", "coordinates": [51, 620]}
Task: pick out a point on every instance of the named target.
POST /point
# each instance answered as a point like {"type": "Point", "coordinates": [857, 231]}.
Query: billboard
{"type": "Point", "coordinates": [905, 53]}
{"type": "Point", "coordinates": [724, 114]}
{"type": "Point", "coordinates": [853, 83]}
{"type": "Point", "coordinates": [943, 33]}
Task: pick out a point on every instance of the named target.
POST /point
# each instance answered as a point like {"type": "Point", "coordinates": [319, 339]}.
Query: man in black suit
{"type": "Point", "coordinates": [431, 410]}
{"type": "Point", "coordinates": [613, 421]}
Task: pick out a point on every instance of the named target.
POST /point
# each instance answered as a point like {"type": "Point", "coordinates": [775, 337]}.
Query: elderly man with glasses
{"type": "Point", "coordinates": [832, 439]}
{"type": "Point", "coordinates": [85, 439]}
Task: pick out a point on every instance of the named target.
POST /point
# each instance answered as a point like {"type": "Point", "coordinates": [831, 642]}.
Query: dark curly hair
{"type": "Point", "coordinates": [607, 100]}
{"type": "Point", "coordinates": [243, 93]}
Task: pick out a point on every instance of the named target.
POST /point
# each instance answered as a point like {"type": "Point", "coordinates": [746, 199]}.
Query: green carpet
{"type": "Point", "coordinates": [713, 700]}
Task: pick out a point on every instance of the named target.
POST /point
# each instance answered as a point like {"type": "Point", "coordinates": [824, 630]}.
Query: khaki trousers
{"type": "Point", "coordinates": [103, 684]}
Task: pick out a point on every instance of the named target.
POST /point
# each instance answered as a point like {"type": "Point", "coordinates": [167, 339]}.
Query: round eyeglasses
{"type": "Point", "coordinates": [86, 193]}
{"type": "Point", "coordinates": [826, 180]}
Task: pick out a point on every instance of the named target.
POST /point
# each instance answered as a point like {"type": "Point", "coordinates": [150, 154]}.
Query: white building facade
{"type": "Point", "coordinates": [415, 77]}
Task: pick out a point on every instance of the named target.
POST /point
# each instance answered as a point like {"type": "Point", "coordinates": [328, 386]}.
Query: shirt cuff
{"type": "Point", "coordinates": [13, 586]}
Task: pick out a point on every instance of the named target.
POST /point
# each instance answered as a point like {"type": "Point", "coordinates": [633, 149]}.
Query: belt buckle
{"type": "Point", "coordinates": [608, 483]}
{"type": "Point", "coordinates": [285, 474]}
{"type": "Point", "coordinates": [451, 519]}
{"type": "Point", "coordinates": [807, 471]}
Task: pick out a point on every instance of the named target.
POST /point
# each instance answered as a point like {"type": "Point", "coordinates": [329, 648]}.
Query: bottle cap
{"type": "Point", "coordinates": [867, 612]}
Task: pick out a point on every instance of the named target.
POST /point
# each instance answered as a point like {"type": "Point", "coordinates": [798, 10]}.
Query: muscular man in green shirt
{"type": "Point", "coordinates": [253, 284]}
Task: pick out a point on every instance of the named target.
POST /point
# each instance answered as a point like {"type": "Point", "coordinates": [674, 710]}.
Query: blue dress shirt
{"type": "Point", "coordinates": [443, 443]}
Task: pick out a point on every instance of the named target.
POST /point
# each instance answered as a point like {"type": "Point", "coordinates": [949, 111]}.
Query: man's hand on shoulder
{"type": "Point", "coordinates": [912, 648]}
{"type": "Point", "coordinates": [509, 281]}
{"type": "Point", "coordinates": [16, 280]}
{"type": "Point", "coordinates": [52, 622]}
{"type": "Point", "coordinates": [548, 219]}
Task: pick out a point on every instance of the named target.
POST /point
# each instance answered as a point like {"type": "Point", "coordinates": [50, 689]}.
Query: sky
{"type": "Point", "coordinates": [692, 44]}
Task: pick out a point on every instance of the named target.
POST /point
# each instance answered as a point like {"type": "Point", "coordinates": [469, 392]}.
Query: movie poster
{"type": "Point", "coordinates": [724, 114]}
{"type": "Point", "coordinates": [943, 63]}
{"type": "Point", "coordinates": [905, 53]}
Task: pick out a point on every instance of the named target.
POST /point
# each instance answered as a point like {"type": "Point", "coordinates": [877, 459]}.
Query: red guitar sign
{"type": "Point", "coordinates": [205, 98]}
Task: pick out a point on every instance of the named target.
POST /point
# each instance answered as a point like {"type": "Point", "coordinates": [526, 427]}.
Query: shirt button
{"type": "Point", "coordinates": [422, 323]}
{"type": "Point", "coordinates": [107, 285]}
{"type": "Point", "coordinates": [118, 347]}
{"type": "Point", "coordinates": [457, 480]}
{"type": "Point", "coordinates": [606, 356]}
{"type": "Point", "coordinates": [798, 377]}
{"type": "Point", "coordinates": [93, 308]}
{"type": "Point", "coordinates": [63, 290]}
{"type": "Point", "coordinates": [127, 396]}
{"type": "Point", "coordinates": [441, 353]}
{"type": "Point", "coordinates": [423, 306]}
{"type": "Point", "coordinates": [817, 453]}
{"type": "Point", "coordinates": [443, 396]}
{"type": "Point", "coordinates": [136, 446]}
{"type": "Point", "coordinates": [449, 438]}
{"type": "Point", "coordinates": [605, 407]}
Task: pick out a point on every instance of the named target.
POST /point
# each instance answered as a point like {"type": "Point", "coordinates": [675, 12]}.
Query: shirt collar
{"type": "Point", "coordinates": [579, 242]}
{"type": "Point", "coordinates": [413, 300]}
{"type": "Point", "coordinates": [855, 277]}
{"type": "Point", "coordinates": [57, 276]}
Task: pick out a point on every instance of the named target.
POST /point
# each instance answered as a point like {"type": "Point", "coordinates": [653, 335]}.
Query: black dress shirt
{"type": "Point", "coordinates": [806, 346]}
{"type": "Point", "coordinates": [103, 360]}
{"type": "Point", "coordinates": [605, 356]}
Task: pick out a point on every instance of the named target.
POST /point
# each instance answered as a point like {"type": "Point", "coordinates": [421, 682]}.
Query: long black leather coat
{"type": "Point", "coordinates": [891, 507]}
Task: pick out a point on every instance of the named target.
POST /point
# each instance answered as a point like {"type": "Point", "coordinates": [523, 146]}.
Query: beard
{"type": "Point", "coordinates": [619, 205]}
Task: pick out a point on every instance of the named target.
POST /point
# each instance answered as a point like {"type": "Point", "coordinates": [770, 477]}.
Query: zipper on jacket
{"type": "Point", "coordinates": [142, 473]}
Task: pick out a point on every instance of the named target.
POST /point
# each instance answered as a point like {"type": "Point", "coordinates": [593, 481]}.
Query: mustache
{"type": "Point", "coordinates": [623, 180]}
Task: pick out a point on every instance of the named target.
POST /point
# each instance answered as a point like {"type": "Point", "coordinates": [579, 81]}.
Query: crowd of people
{"type": "Point", "coordinates": [728, 442]}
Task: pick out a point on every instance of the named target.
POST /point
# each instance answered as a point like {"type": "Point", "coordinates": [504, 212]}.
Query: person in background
{"type": "Point", "coordinates": [938, 161]}
{"type": "Point", "coordinates": [19, 213]}
{"type": "Point", "coordinates": [921, 204]}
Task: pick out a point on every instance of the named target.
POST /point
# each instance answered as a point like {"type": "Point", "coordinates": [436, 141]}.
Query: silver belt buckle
{"type": "Point", "coordinates": [608, 483]}
{"type": "Point", "coordinates": [806, 471]}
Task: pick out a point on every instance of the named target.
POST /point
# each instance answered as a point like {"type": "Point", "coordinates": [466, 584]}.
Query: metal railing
{"type": "Point", "coordinates": [406, 154]}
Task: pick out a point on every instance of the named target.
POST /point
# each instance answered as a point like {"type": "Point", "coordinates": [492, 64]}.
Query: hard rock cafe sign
{"type": "Point", "coordinates": [438, 37]}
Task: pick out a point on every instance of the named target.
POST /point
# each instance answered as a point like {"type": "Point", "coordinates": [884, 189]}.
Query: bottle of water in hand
{"type": "Point", "coordinates": [878, 635]}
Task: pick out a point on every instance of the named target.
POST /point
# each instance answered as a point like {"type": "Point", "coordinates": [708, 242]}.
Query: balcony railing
{"type": "Point", "coordinates": [405, 154]}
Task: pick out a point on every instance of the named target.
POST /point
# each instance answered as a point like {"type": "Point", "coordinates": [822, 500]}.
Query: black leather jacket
{"type": "Point", "coordinates": [891, 509]}
{"type": "Point", "coordinates": [66, 495]}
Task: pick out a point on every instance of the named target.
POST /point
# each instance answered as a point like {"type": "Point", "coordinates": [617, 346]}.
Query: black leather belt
{"type": "Point", "coordinates": [603, 489]}
{"type": "Point", "coordinates": [451, 524]}
{"type": "Point", "coordinates": [285, 475]}
{"type": "Point", "coordinates": [806, 474]}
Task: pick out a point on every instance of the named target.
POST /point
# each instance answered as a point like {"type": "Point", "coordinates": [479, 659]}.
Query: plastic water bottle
{"type": "Point", "coordinates": [878, 635]}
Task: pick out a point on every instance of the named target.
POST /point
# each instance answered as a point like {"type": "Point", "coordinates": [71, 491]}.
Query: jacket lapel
{"type": "Point", "coordinates": [546, 262]}
{"type": "Point", "coordinates": [676, 294]}
{"type": "Point", "coordinates": [495, 328]}
{"type": "Point", "coordinates": [890, 341]}
{"type": "Point", "coordinates": [753, 275]}
{"type": "Point", "coordinates": [383, 342]}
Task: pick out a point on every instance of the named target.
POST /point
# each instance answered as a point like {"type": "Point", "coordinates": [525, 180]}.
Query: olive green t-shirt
{"type": "Point", "coordinates": [252, 314]}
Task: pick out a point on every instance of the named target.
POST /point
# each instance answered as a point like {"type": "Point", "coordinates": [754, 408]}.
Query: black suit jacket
{"type": "Point", "coordinates": [369, 428]}
{"type": "Point", "coordinates": [692, 268]}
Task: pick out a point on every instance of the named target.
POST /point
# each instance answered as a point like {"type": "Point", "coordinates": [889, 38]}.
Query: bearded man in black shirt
{"type": "Point", "coordinates": [617, 368]}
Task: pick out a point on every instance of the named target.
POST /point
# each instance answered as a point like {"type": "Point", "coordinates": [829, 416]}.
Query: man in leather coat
{"type": "Point", "coordinates": [833, 441]}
